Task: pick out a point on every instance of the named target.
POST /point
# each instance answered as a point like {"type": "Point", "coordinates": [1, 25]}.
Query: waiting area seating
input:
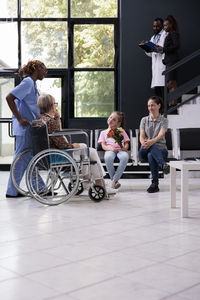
{"type": "Point", "coordinates": [188, 143]}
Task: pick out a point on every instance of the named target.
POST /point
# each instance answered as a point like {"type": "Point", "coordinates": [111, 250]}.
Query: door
{"type": "Point", "coordinates": [55, 84]}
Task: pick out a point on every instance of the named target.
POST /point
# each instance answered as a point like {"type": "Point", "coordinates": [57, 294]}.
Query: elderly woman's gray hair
{"type": "Point", "coordinates": [45, 103]}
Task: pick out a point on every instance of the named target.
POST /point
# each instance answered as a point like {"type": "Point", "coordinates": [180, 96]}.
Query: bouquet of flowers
{"type": "Point", "coordinates": [115, 133]}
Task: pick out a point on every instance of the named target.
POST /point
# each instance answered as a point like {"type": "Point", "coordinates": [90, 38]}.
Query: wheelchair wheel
{"type": "Point", "coordinates": [97, 193]}
{"type": "Point", "coordinates": [80, 187]}
{"type": "Point", "coordinates": [22, 159]}
{"type": "Point", "coordinates": [48, 176]}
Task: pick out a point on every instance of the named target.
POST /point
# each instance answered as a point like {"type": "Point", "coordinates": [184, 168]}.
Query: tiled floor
{"type": "Point", "coordinates": [132, 247]}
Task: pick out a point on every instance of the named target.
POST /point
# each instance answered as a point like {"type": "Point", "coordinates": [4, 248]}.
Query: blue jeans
{"type": "Point", "coordinates": [109, 158]}
{"type": "Point", "coordinates": [156, 157]}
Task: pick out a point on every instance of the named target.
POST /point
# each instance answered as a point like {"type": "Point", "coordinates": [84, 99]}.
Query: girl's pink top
{"type": "Point", "coordinates": [109, 141]}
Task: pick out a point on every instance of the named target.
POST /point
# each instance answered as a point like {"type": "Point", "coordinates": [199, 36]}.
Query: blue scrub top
{"type": "Point", "coordinates": [26, 94]}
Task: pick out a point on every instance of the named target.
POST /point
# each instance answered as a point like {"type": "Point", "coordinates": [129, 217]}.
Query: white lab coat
{"type": "Point", "coordinates": [157, 66]}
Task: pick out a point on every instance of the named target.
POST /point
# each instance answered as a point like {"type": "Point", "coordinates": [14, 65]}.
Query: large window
{"type": "Point", "coordinates": [46, 41]}
{"type": "Point", "coordinates": [79, 37]}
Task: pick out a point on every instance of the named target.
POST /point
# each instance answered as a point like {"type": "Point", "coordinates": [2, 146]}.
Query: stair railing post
{"type": "Point", "coordinates": [165, 97]}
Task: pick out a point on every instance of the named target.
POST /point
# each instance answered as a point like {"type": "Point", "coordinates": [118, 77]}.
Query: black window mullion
{"type": "Point", "coordinates": [19, 32]}
{"type": "Point", "coordinates": [116, 67]}
{"type": "Point", "coordinates": [43, 19]}
{"type": "Point", "coordinates": [118, 9]}
{"type": "Point", "coordinates": [93, 20]}
{"type": "Point", "coordinates": [93, 69]}
{"type": "Point", "coordinates": [64, 101]}
{"type": "Point", "coordinates": [71, 68]}
{"type": "Point", "coordinates": [69, 9]}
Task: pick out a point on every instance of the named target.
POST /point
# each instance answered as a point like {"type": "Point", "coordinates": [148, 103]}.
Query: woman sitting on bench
{"type": "Point", "coordinates": [152, 138]}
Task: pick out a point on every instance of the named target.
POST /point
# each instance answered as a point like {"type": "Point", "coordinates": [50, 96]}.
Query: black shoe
{"type": "Point", "coordinates": [48, 193]}
{"type": "Point", "coordinates": [19, 195]}
{"type": "Point", "coordinates": [166, 168]}
{"type": "Point", "coordinates": [153, 188]}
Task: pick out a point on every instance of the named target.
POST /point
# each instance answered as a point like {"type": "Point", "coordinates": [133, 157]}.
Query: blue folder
{"type": "Point", "coordinates": [149, 46]}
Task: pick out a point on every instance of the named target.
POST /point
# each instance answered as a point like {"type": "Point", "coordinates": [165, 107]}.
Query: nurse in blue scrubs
{"type": "Point", "coordinates": [22, 101]}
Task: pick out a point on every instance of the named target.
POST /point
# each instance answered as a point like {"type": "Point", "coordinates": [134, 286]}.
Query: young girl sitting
{"type": "Point", "coordinates": [115, 142]}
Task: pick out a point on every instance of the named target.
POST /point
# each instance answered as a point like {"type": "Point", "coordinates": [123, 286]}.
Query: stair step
{"type": "Point", "coordinates": [188, 96]}
{"type": "Point", "coordinates": [190, 118]}
{"type": "Point", "coordinates": [194, 101]}
{"type": "Point", "coordinates": [190, 111]}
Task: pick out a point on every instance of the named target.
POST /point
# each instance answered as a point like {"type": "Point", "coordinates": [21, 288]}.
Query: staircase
{"type": "Point", "coordinates": [189, 109]}
{"type": "Point", "coordinates": [188, 117]}
{"type": "Point", "coordinates": [188, 114]}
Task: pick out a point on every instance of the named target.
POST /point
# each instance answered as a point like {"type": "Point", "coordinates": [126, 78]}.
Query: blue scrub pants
{"type": "Point", "coordinates": [22, 143]}
{"type": "Point", "coordinates": [109, 158]}
{"type": "Point", "coordinates": [156, 157]}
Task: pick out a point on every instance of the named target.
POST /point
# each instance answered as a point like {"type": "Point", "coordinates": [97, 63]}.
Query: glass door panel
{"type": "Point", "coordinates": [50, 85]}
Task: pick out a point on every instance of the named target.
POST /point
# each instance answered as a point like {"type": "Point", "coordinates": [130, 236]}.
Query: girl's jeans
{"type": "Point", "coordinates": [156, 157]}
{"type": "Point", "coordinates": [109, 158]}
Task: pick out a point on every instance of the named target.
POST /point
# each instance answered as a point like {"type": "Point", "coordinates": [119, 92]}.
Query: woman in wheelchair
{"type": "Point", "coordinates": [152, 138]}
{"type": "Point", "coordinates": [50, 115]}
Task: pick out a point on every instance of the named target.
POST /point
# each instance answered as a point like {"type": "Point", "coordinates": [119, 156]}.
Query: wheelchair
{"type": "Point", "coordinates": [54, 176]}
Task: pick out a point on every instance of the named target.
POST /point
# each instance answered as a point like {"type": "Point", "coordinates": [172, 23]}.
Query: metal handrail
{"type": "Point", "coordinates": [182, 62]}
{"type": "Point", "coordinates": [9, 121]}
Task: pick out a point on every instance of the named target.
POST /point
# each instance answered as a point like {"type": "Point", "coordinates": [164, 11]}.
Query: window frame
{"type": "Point", "coordinates": [68, 83]}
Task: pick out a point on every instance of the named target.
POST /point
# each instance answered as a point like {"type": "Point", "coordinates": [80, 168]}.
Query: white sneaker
{"type": "Point", "coordinates": [110, 191]}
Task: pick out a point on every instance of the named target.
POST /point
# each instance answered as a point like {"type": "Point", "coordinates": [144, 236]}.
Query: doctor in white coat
{"type": "Point", "coordinates": [158, 80]}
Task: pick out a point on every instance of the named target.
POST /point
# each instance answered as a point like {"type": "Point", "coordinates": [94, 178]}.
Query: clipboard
{"type": "Point", "coordinates": [149, 46]}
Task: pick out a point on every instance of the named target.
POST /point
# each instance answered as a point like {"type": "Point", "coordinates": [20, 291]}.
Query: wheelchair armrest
{"type": "Point", "coordinates": [83, 153]}
{"type": "Point", "coordinates": [70, 132]}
